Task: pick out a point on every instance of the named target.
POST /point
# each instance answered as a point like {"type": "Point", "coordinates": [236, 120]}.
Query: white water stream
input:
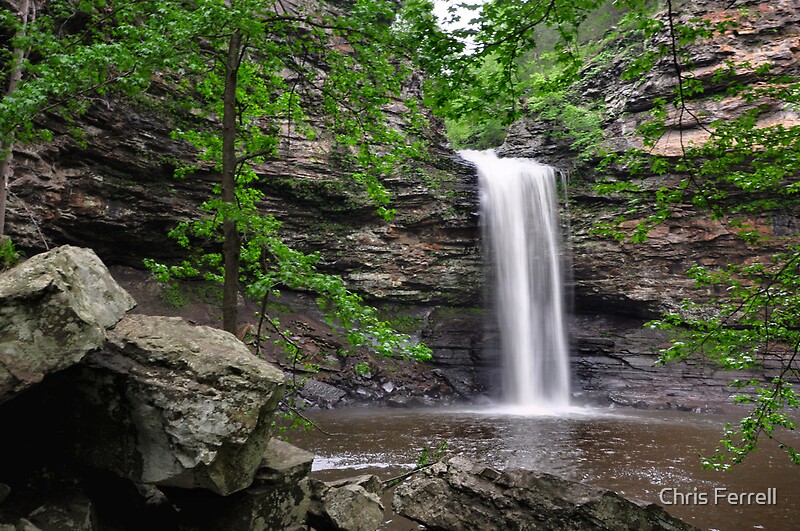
{"type": "Point", "coordinates": [519, 210]}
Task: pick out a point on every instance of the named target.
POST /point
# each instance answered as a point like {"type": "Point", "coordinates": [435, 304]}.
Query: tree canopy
{"type": "Point", "coordinates": [742, 169]}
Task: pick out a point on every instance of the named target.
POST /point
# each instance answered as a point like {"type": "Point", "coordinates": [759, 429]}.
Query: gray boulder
{"type": "Point", "coordinates": [172, 404]}
{"type": "Point", "coordinates": [463, 495]}
{"type": "Point", "coordinates": [72, 513]}
{"type": "Point", "coordinates": [351, 504]}
{"type": "Point", "coordinates": [54, 309]}
{"type": "Point", "coordinates": [277, 499]}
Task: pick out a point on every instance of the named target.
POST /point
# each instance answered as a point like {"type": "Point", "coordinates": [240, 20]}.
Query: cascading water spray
{"type": "Point", "coordinates": [519, 202]}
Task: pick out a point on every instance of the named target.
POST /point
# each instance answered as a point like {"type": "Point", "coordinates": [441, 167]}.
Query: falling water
{"type": "Point", "coordinates": [519, 202]}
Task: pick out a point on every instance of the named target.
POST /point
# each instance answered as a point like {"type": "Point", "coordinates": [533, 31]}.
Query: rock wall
{"type": "Point", "coordinates": [114, 191]}
{"type": "Point", "coordinates": [618, 286]}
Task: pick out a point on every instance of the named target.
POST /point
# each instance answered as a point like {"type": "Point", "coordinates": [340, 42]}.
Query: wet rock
{"type": "Point", "coordinates": [369, 482]}
{"type": "Point", "coordinates": [172, 404]}
{"type": "Point", "coordinates": [460, 494]}
{"type": "Point", "coordinates": [405, 402]}
{"type": "Point", "coordinates": [351, 504]}
{"type": "Point", "coordinates": [352, 508]}
{"type": "Point", "coordinates": [50, 505]}
{"type": "Point", "coordinates": [25, 525]}
{"type": "Point", "coordinates": [68, 514]}
{"type": "Point", "coordinates": [614, 361]}
{"type": "Point", "coordinates": [321, 393]}
{"type": "Point", "coordinates": [54, 309]}
{"type": "Point", "coordinates": [278, 498]}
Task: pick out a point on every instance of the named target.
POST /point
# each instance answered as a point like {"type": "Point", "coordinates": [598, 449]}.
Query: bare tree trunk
{"type": "Point", "coordinates": [7, 145]}
{"type": "Point", "coordinates": [232, 240]}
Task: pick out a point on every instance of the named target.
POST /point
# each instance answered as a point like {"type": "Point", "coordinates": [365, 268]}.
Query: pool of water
{"type": "Point", "coordinates": [636, 453]}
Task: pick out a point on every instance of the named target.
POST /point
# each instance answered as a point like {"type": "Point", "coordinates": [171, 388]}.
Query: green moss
{"type": "Point", "coordinates": [9, 254]}
{"type": "Point", "coordinates": [407, 324]}
{"type": "Point", "coordinates": [457, 311]}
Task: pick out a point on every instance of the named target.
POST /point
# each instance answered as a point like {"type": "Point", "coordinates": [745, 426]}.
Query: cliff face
{"type": "Point", "coordinates": [112, 189]}
{"type": "Point", "coordinates": [620, 285]}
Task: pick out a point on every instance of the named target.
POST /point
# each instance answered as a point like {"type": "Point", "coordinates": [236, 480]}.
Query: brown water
{"type": "Point", "coordinates": [634, 453]}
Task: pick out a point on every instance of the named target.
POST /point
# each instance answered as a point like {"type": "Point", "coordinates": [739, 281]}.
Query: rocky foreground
{"type": "Point", "coordinates": [119, 421]}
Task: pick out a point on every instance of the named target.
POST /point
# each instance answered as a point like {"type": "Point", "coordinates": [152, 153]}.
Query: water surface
{"type": "Point", "coordinates": [637, 454]}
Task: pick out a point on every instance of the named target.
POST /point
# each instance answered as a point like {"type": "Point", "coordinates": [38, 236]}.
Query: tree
{"type": "Point", "coordinates": [233, 60]}
{"type": "Point", "coordinates": [59, 54]}
{"type": "Point", "coordinates": [14, 77]}
{"type": "Point", "coordinates": [745, 167]}
{"type": "Point", "coordinates": [255, 70]}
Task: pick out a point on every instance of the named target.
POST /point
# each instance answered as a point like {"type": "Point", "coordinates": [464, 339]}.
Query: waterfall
{"type": "Point", "coordinates": [519, 202]}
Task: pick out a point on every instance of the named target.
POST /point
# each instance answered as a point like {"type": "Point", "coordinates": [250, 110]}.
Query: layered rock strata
{"type": "Point", "coordinates": [618, 286]}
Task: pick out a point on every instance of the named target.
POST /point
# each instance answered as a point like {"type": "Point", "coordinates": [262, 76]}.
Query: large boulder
{"type": "Point", "coordinates": [277, 499]}
{"type": "Point", "coordinates": [460, 494]}
{"type": "Point", "coordinates": [54, 309]}
{"type": "Point", "coordinates": [172, 404]}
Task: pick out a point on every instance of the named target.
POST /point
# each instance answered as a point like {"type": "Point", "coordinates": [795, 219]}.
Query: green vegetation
{"type": "Point", "coordinates": [59, 55]}
{"type": "Point", "coordinates": [525, 58]}
{"type": "Point", "coordinates": [362, 369]}
{"type": "Point", "coordinates": [754, 323]}
{"type": "Point", "coordinates": [428, 455]}
{"type": "Point", "coordinates": [252, 73]}
{"type": "Point", "coordinates": [9, 255]}
{"type": "Point", "coordinates": [529, 58]}
{"type": "Point", "coordinates": [745, 171]}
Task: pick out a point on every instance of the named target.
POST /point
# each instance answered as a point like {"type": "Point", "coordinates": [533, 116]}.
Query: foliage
{"type": "Point", "coordinates": [516, 54]}
{"type": "Point", "coordinates": [295, 64]}
{"type": "Point", "coordinates": [429, 455]}
{"type": "Point", "coordinates": [60, 55]}
{"type": "Point", "coordinates": [753, 326]}
{"type": "Point", "coordinates": [743, 169]}
{"type": "Point", "coordinates": [9, 254]}
{"type": "Point", "coordinates": [362, 369]}
{"type": "Point", "coordinates": [77, 51]}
